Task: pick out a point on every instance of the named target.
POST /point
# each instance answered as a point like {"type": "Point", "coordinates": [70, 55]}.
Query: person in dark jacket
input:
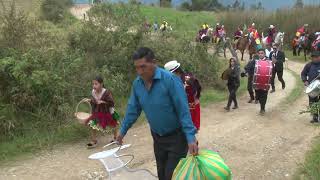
{"type": "Point", "coordinates": [278, 58]}
{"type": "Point", "coordinates": [309, 73]}
{"type": "Point", "coordinates": [233, 83]}
{"type": "Point", "coordinates": [249, 70]}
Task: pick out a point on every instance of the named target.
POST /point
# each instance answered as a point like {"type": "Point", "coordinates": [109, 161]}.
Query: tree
{"type": "Point", "coordinates": [55, 10]}
{"type": "Point", "coordinates": [299, 4]}
{"type": "Point", "coordinates": [243, 7]}
{"type": "Point", "coordinates": [260, 7]}
{"type": "Point", "coordinates": [185, 6]}
{"type": "Point", "coordinates": [206, 5]}
{"type": "Point", "coordinates": [165, 3]}
{"type": "Point", "coordinates": [236, 5]}
{"type": "Point", "coordinates": [256, 6]}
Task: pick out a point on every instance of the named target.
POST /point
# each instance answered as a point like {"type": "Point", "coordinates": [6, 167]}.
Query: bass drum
{"type": "Point", "coordinates": [313, 90]}
{"type": "Point", "coordinates": [225, 74]}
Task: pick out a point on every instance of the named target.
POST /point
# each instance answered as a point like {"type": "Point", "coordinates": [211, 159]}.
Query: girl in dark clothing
{"type": "Point", "coordinates": [233, 83]}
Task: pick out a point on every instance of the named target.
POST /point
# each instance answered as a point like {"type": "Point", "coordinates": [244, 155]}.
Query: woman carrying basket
{"type": "Point", "coordinates": [103, 114]}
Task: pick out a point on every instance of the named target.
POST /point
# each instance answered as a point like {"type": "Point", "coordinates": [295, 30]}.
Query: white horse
{"type": "Point", "coordinates": [279, 38]}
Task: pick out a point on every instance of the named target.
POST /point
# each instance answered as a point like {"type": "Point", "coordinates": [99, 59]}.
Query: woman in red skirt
{"type": "Point", "coordinates": [193, 90]}
{"type": "Point", "coordinates": [102, 111]}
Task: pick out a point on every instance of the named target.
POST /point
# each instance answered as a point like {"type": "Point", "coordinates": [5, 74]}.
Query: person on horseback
{"type": "Point", "coordinates": [202, 32]}
{"type": "Point", "coordinates": [237, 35]}
{"type": "Point", "coordinates": [216, 33]}
{"type": "Point", "coordinates": [164, 26]}
{"type": "Point", "coordinates": [271, 34]}
{"type": "Point", "coordinates": [295, 45]}
{"type": "Point", "coordinates": [316, 42]}
{"type": "Point", "coordinates": [252, 28]}
{"type": "Point", "coordinates": [254, 39]}
{"type": "Point", "coordinates": [205, 26]}
{"type": "Point", "coordinates": [302, 30]}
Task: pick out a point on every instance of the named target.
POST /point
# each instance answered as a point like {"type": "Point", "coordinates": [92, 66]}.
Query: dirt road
{"type": "Point", "coordinates": [255, 147]}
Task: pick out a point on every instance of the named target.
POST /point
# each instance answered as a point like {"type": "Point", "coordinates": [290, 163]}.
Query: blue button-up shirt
{"type": "Point", "coordinates": [165, 105]}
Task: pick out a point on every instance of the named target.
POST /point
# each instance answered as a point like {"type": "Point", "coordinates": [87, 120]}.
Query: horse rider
{"type": "Point", "coordinates": [316, 42]}
{"type": "Point", "coordinates": [252, 28]}
{"type": "Point", "coordinates": [222, 32]}
{"type": "Point", "coordinates": [237, 35]}
{"type": "Point", "coordinates": [295, 44]}
{"type": "Point", "coordinates": [302, 30]}
{"type": "Point", "coordinates": [202, 32]}
{"type": "Point", "coordinates": [309, 73]}
{"type": "Point", "coordinates": [164, 26]}
{"type": "Point", "coordinates": [205, 26]}
{"type": "Point", "coordinates": [271, 34]}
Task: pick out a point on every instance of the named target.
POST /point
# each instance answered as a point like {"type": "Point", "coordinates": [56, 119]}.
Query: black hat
{"type": "Point", "coordinates": [315, 54]}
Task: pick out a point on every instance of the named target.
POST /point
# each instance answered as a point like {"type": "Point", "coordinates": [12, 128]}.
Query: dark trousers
{"type": "Point", "coordinates": [280, 78]}
{"type": "Point", "coordinates": [261, 96]}
{"type": "Point", "coordinates": [168, 151]}
{"type": "Point", "coordinates": [250, 87]}
{"type": "Point", "coordinates": [311, 101]}
{"type": "Point", "coordinates": [232, 95]}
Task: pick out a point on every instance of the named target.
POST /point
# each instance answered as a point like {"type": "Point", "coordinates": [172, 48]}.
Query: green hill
{"type": "Point", "coordinates": [183, 22]}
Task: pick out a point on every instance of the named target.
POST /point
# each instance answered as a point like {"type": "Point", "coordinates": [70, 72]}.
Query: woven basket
{"type": "Point", "coordinates": [83, 116]}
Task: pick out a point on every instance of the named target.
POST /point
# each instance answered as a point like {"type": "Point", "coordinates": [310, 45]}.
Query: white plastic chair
{"type": "Point", "coordinates": [111, 160]}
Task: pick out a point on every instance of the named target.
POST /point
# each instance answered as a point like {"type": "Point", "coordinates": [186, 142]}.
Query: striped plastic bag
{"type": "Point", "coordinates": [208, 165]}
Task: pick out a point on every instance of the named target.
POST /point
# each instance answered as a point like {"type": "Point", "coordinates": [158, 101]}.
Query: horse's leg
{"type": "Point", "coordinates": [242, 52]}
{"type": "Point", "coordinates": [305, 54]}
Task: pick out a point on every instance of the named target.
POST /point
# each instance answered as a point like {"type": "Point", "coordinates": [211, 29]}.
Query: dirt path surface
{"type": "Point", "coordinates": [255, 147]}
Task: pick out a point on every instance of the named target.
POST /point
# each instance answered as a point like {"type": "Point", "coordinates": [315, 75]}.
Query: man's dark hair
{"type": "Point", "coordinates": [143, 52]}
{"type": "Point", "coordinates": [261, 50]}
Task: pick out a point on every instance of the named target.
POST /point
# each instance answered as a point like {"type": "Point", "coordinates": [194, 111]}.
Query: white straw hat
{"type": "Point", "coordinates": [172, 65]}
{"type": "Point", "coordinates": [271, 26]}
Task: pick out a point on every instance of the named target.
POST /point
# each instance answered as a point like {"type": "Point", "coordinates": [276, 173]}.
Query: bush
{"type": "Point", "coordinates": [55, 10]}
{"type": "Point", "coordinates": [43, 78]}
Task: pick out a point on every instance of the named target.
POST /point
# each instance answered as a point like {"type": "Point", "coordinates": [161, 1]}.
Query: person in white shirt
{"type": "Point", "coordinates": [268, 50]}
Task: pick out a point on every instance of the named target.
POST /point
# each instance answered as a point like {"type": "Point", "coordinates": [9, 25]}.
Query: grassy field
{"type": "Point", "coordinates": [310, 169]}
{"type": "Point", "coordinates": [183, 23]}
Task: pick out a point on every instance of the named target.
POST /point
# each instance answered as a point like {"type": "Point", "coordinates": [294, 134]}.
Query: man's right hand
{"type": "Point", "coordinates": [306, 83]}
{"type": "Point", "coordinates": [120, 139]}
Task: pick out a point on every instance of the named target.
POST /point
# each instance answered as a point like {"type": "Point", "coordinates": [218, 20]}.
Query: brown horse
{"type": "Point", "coordinates": [244, 44]}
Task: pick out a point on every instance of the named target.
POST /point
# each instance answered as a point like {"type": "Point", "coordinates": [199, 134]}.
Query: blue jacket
{"type": "Point", "coordinates": [310, 71]}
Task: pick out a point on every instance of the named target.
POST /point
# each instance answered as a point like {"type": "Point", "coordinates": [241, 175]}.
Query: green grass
{"type": "Point", "coordinates": [310, 169]}
{"type": "Point", "coordinates": [184, 23]}
{"type": "Point", "coordinates": [297, 90]}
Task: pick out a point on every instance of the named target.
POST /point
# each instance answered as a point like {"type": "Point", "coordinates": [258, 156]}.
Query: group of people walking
{"type": "Point", "coordinates": [258, 91]}
{"type": "Point", "coordinates": [170, 99]}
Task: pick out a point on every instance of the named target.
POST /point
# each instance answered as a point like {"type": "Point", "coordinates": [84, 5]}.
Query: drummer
{"type": "Point", "coordinates": [308, 74]}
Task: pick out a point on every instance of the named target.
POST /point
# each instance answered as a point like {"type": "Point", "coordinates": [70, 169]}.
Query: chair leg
{"type": "Point", "coordinates": [109, 174]}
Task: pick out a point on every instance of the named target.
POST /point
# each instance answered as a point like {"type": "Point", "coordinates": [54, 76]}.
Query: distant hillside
{"type": "Point", "coordinates": [267, 4]}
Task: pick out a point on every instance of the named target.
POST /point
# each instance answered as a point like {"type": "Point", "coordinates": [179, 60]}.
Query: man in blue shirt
{"type": "Point", "coordinates": [164, 101]}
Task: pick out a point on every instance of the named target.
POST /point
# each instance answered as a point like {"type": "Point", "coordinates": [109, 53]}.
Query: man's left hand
{"type": "Point", "coordinates": [193, 148]}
